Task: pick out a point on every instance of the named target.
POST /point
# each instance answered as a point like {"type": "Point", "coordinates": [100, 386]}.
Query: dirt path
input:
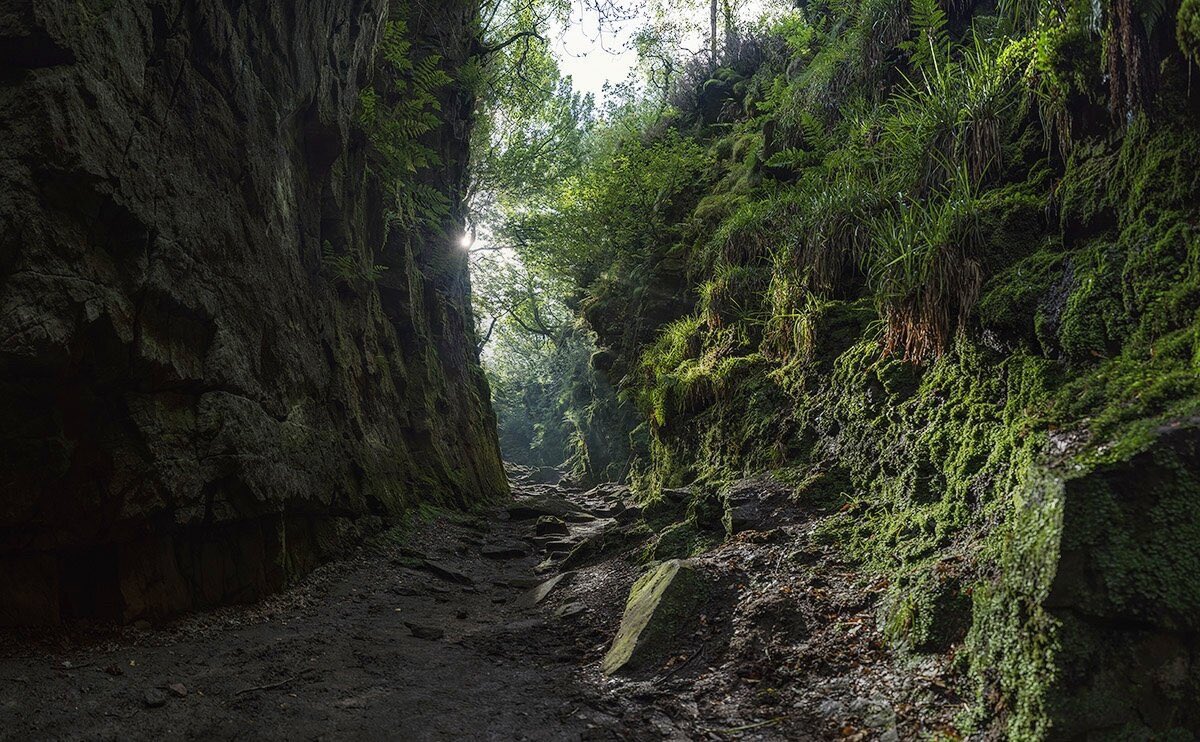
{"type": "Point", "coordinates": [432, 636]}
{"type": "Point", "coordinates": [334, 658]}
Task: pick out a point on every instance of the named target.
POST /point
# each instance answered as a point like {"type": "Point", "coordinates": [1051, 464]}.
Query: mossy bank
{"type": "Point", "coordinates": [938, 267]}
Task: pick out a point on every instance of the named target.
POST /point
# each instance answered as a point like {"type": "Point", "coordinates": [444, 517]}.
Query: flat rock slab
{"type": "Point", "coordinates": [607, 537]}
{"type": "Point", "coordinates": [523, 583]}
{"type": "Point", "coordinates": [607, 491]}
{"type": "Point", "coordinates": [662, 608]}
{"type": "Point", "coordinates": [753, 505]}
{"type": "Point", "coordinates": [505, 551]}
{"type": "Point", "coordinates": [446, 573]}
{"type": "Point", "coordinates": [629, 514]}
{"type": "Point", "coordinates": [426, 632]}
{"type": "Point", "coordinates": [539, 593]}
{"type": "Point", "coordinates": [550, 563]}
{"type": "Point", "coordinates": [570, 609]}
{"type": "Point", "coordinates": [560, 545]}
{"type": "Point", "coordinates": [539, 507]}
{"type": "Point", "coordinates": [607, 510]}
{"type": "Point", "coordinates": [676, 495]}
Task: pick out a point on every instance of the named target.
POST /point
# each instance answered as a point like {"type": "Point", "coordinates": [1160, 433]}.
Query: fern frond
{"type": "Point", "coordinates": [929, 49]}
{"type": "Point", "coordinates": [396, 127]}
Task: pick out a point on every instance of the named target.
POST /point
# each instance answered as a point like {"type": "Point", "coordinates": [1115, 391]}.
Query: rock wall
{"type": "Point", "coordinates": [193, 406]}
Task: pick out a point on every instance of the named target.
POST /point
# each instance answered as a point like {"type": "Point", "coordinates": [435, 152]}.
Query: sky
{"type": "Point", "coordinates": [593, 56]}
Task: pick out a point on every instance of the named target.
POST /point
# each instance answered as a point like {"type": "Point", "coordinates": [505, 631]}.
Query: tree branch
{"type": "Point", "coordinates": [487, 336]}
{"type": "Point", "coordinates": [489, 50]}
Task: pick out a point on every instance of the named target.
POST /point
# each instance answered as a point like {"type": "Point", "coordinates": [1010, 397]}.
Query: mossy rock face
{"type": "Point", "coordinates": [661, 609]}
{"type": "Point", "coordinates": [207, 420]}
{"type": "Point", "coordinates": [1127, 594]}
{"type": "Point", "coordinates": [1093, 630]}
{"type": "Point", "coordinates": [1031, 495]}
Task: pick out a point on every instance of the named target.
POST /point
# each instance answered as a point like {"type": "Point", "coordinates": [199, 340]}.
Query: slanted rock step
{"type": "Point", "coordinates": [662, 607]}
{"type": "Point", "coordinates": [549, 525]}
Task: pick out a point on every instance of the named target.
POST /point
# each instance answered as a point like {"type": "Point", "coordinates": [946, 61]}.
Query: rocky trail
{"type": "Point", "coordinates": [499, 626]}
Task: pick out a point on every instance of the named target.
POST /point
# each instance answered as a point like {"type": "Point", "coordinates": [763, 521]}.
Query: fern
{"type": "Point", "coordinates": [929, 50]}
{"type": "Point", "coordinates": [816, 133]}
{"type": "Point", "coordinates": [346, 269]}
{"type": "Point", "coordinates": [397, 123]}
{"type": "Point", "coordinates": [792, 157]}
{"type": "Point", "coordinates": [423, 204]}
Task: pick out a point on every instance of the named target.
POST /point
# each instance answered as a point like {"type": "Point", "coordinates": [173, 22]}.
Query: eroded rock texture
{"type": "Point", "coordinates": [192, 407]}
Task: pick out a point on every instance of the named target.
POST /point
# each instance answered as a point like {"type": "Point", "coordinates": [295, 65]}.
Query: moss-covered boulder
{"type": "Point", "coordinates": [661, 609]}
{"type": "Point", "coordinates": [1092, 629]}
{"type": "Point", "coordinates": [1126, 594]}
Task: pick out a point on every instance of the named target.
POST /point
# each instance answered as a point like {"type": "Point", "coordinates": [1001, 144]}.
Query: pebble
{"type": "Point", "coordinates": [154, 698]}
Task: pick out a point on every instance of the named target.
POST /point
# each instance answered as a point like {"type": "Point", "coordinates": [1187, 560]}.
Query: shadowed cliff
{"type": "Point", "coordinates": [220, 354]}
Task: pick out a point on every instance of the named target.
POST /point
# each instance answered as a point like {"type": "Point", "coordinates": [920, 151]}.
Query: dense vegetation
{"type": "Point", "coordinates": [936, 264]}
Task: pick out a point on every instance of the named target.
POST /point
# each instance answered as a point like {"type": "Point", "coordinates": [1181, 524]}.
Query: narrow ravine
{"type": "Point", "coordinates": [845, 357]}
{"type": "Point", "coordinates": [477, 627]}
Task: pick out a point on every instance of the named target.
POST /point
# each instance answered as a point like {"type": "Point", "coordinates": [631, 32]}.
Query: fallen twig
{"type": "Point", "coordinates": [75, 667]}
{"type": "Point", "coordinates": [269, 686]}
{"type": "Point", "coordinates": [681, 665]}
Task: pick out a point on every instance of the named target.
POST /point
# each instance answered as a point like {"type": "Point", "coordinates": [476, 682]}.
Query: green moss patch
{"type": "Point", "coordinates": [660, 610]}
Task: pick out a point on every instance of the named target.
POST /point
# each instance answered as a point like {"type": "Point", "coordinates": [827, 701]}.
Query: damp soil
{"type": "Point", "coordinates": [431, 633]}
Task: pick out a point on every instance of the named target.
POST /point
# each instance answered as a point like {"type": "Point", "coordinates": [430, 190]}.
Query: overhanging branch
{"type": "Point", "coordinates": [489, 50]}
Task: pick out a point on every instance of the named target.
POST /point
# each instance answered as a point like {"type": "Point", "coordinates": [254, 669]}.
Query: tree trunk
{"type": "Point", "coordinates": [712, 17]}
{"type": "Point", "coordinates": [730, 28]}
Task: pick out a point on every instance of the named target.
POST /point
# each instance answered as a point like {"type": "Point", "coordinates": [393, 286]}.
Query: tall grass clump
{"type": "Point", "coordinates": [922, 269]}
